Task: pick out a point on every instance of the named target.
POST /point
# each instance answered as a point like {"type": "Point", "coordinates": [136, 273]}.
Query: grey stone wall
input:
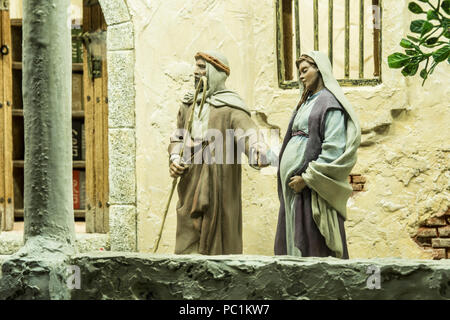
{"type": "Point", "coordinates": [144, 276]}
{"type": "Point", "coordinates": [121, 125]}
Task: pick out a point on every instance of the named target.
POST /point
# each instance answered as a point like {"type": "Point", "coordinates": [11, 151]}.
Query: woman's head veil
{"type": "Point", "coordinates": [330, 82]}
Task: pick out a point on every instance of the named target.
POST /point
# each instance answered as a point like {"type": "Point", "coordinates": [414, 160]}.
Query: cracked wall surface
{"type": "Point", "coordinates": [405, 143]}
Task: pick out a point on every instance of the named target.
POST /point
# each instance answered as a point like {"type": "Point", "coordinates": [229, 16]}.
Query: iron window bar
{"type": "Point", "coordinates": [285, 9]}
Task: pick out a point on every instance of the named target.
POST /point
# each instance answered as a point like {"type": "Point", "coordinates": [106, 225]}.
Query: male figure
{"type": "Point", "coordinates": [209, 210]}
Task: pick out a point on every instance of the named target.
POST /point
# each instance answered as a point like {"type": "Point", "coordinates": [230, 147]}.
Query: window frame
{"type": "Point", "coordinates": [283, 83]}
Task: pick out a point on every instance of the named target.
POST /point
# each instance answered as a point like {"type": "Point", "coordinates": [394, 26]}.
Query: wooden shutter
{"type": "Point", "coordinates": [6, 169]}
{"type": "Point", "coordinates": [96, 118]}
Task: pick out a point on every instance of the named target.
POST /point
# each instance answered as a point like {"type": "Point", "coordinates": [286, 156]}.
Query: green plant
{"type": "Point", "coordinates": [426, 45]}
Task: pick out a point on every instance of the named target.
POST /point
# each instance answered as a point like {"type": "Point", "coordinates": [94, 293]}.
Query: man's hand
{"type": "Point", "coordinates": [297, 184]}
{"type": "Point", "coordinates": [176, 168]}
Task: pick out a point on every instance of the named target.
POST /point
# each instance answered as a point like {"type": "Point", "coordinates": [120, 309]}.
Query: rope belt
{"type": "Point", "coordinates": [299, 133]}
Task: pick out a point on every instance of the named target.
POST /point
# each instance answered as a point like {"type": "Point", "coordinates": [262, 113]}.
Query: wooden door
{"type": "Point", "coordinates": [95, 81]}
{"type": "Point", "coordinates": [6, 169]}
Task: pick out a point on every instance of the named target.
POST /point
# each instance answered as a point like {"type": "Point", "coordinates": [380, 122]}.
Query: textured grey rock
{"type": "Point", "coordinates": [121, 91]}
{"type": "Point", "coordinates": [144, 276]}
{"type": "Point", "coordinates": [115, 11]}
{"type": "Point", "coordinates": [3, 258]}
{"type": "Point", "coordinates": [122, 145]}
{"type": "Point", "coordinates": [122, 220]}
{"type": "Point", "coordinates": [37, 271]}
{"type": "Point", "coordinates": [88, 242]}
{"type": "Point", "coordinates": [120, 37]}
{"type": "Point", "coordinates": [123, 186]}
{"type": "Point", "coordinates": [11, 242]}
{"type": "Point", "coordinates": [122, 169]}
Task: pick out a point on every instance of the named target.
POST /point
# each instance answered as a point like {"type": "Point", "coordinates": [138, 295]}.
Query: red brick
{"type": "Point", "coordinates": [426, 232]}
{"type": "Point", "coordinates": [435, 222]}
{"type": "Point", "coordinates": [357, 187]}
{"type": "Point", "coordinates": [444, 231]}
{"type": "Point", "coordinates": [439, 254]}
{"type": "Point", "coordinates": [359, 179]}
{"type": "Point", "coordinates": [440, 243]}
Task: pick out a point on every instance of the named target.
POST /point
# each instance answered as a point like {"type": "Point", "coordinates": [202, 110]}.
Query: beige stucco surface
{"type": "Point", "coordinates": [405, 155]}
{"type": "Point", "coordinates": [406, 141]}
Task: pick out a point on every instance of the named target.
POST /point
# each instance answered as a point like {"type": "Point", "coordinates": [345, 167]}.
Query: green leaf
{"type": "Point", "coordinates": [427, 27]}
{"type": "Point", "coordinates": [424, 74]}
{"type": "Point", "coordinates": [447, 34]}
{"type": "Point", "coordinates": [423, 0]}
{"type": "Point", "coordinates": [420, 26]}
{"type": "Point", "coordinates": [410, 52]}
{"type": "Point", "coordinates": [432, 40]}
{"type": "Point", "coordinates": [410, 69]}
{"type": "Point", "coordinates": [432, 15]}
{"type": "Point", "coordinates": [446, 6]}
{"type": "Point", "coordinates": [406, 43]}
{"type": "Point", "coordinates": [398, 60]}
{"type": "Point", "coordinates": [414, 7]}
{"type": "Point", "coordinates": [413, 39]}
{"type": "Point", "coordinates": [441, 54]}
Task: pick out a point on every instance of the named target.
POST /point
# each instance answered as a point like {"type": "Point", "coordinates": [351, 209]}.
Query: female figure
{"type": "Point", "coordinates": [317, 155]}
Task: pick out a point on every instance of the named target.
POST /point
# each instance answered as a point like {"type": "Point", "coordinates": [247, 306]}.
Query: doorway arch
{"type": "Point", "coordinates": [121, 125]}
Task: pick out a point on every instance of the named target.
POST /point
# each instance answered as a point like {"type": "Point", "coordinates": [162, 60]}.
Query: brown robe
{"type": "Point", "coordinates": [209, 209]}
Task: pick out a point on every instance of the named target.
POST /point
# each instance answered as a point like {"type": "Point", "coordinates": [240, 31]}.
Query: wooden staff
{"type": "Point", "coordinates": [188, 128]}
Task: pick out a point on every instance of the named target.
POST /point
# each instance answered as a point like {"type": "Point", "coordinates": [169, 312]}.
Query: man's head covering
{"type": "Point", "coordinates": [217, 60]}
{"type": "Point", "coordinates": [217, 72]}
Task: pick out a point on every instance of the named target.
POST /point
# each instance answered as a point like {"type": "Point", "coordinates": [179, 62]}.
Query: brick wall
{"type": "Point", "coordinates": [357, 181]}
{"type": "Point", "coordinates": [434, 235]}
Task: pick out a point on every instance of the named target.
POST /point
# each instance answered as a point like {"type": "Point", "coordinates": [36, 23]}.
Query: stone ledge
{"type": "Point", "coordinates": [112, 275]}
{"type": "Point", "coordinates": [12, 241]}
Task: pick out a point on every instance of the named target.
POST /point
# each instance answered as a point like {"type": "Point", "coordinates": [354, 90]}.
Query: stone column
{"type": "Point", "coordinates": [48, 199]}
{"type": "Point", "coordinates": [39, 270]}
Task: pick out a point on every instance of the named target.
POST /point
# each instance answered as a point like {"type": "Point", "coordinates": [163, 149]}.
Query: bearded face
{"type": "Point", "coordinates": [200, 71]}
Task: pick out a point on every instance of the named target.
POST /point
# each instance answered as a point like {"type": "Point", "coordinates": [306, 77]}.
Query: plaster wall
{"type": "Point", "coordinates": [405, 152]}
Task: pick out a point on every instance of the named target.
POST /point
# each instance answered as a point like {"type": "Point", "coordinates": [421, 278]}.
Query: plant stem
{"type": "Point", "coordinates": [437, 10]}
{"type": "Point", "coordinates": [430, 34]}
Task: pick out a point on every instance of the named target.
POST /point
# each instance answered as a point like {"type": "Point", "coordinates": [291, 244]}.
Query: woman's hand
{"type": "Point", "coordinates": [297, 184]}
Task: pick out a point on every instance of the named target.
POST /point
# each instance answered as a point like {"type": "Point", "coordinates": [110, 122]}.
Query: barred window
{"type": "Point", "coordinates": [349, 31]}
